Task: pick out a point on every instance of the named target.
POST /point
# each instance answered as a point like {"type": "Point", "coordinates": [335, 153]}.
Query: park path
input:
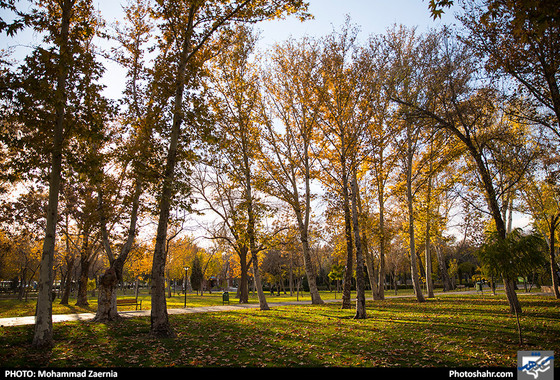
{"type": "Point", "coordinates": [30, 320]}
{"type": "Point", "coordinates": [18, 321]}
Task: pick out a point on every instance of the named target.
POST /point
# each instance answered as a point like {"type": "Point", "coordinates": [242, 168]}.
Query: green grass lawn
{"type": "Point", "coordinates": [449, 331]}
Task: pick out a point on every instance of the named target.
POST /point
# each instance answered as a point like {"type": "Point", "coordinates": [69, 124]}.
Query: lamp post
{"type": "Point", "coordinates": [185, 286]}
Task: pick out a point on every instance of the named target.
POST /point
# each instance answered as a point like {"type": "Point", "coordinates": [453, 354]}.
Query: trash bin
{"type": "Point", "coordinates": [225, 298]}
{"type": "Point", "coordinates": [479, 286]}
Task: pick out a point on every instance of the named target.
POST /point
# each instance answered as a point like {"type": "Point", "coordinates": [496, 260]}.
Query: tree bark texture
{"type": "Point", "coordinates": [410, 200]}
{"type": "Point", "coordinates": [107, 297]}
{"type": "Point", "coordinates": [429, 281]}
{"type": "Point", "coordinates": [243, 289]}
{"type": "Point", "coordinates": [360, 280]}
{"type": "Point", "coordinates": [553, 266]}
{"type": "Point", "coordinates": [347, 280]}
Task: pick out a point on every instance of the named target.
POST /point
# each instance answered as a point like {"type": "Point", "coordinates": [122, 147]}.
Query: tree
{"type": "Point", "coordinates": [187, 27]}
{"type": "Point", "coordinates": [517, 254]}
{"type": "Point", "coordinates": [43, 334]}
{"type": "Point", "coordinates": [133, 157]}
{"type": "Point", "coordinates": [293, 93]}
{"type": "Point", "coordinates": [236, 109]}
{"type": "Point", "coordinates": [457, 102]}
{"type": "Point", "coordinates": [436, 7]}
{"type": "Point", "coordinates": [50, 96]}
{"type": "Point", "coordinates": [520, 39]}
{"type": "Point", "coordinates": [197, 276]}
{"type": "Point", "coordinates": [436, 198]}
{"type": "Point", "coordinates": [21, 262]}
{"type": "Point", "coordinates": [339, 140]}
{"type": "Point", "coordinates": [409, 55]}
{"type": "Point", "coordinates": [410, 148]}
{"type": "Point", "coordinates": [336, 275]}
{"type": "Point", "coordinates": [287, 242]}
{"type": "Point", "coordinates": [87, 239]}
{"type": "Point", "coordinates": [543, 203]}
{"type": "Point", "coordinates": [381, 156]}
{"type": "Point", "coordinates": [223, 199]}
{"type": "Point", "coordinates": [441, 199]}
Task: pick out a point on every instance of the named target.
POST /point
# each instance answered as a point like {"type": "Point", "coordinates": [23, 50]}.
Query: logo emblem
{"type": "Point", "coordinates": [535, 365]}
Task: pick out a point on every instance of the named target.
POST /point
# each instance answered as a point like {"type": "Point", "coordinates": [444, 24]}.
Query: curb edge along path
{"type": "Point", "coordinates": [30, 320]}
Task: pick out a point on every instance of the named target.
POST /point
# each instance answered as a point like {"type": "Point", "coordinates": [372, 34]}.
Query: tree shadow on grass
{"type": "Point", "coordinates": [440, 332]}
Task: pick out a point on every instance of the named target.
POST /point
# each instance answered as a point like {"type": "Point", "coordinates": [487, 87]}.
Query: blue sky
{"type": "Point", "coordinates": [372, 16]}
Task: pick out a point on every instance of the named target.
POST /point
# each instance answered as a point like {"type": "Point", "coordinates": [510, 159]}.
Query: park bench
{"type": "Point", "coordinates": [130, 301]}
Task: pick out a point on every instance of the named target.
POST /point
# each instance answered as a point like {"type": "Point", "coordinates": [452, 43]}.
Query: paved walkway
{"type": "Point", "coordinates": [17, 321]}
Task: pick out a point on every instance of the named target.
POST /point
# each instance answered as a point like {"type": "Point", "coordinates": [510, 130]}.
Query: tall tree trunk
{"type": "Point", "coordinates": [366, 255]}
{"type": "Point", "coordinates": [251, 225]}
{"type": "Point", "coordinates": [107, 294]}
{"type": "Point", "coordinates": [303, 225]}
{"type": "Point", "coordinates": [347, 278]}
{"type": "Point", "coordinates": [67, 281]}
{"type": "Point", "coordinates": [43, 331]}
{"type": "Point", "coordinates": [370, 269]}
{"type": "Point", "coordinates": [243, 290]}
{"type": "Point", "coordinates": [22, 284]}
{"type": "Point", "coordinates": [308, 263]}
{"type": "Point", "coordinates": [553, 267]}
{"type": "Point", "coordinates": [429, 281]}
{"type": "Point", "coordinates": [85, 261]}
{"type": "Point", "coordinates": [66, 277]}
{"type": "Point", "coordinates": [382, 245]}
{"type": "Point", "coordinates": [409, 198]}
{"type": "Point", "coordinates": [360, 280]}
{"type": "Point", "coordinates": [81, 298]}
{"type": "Point", "coordinates": [107, 297]}
{"type": "Point", "coordinates": [159, 319]}
{"type": "Point", "coordinates": [309, 268]}
{"type": "Point", "coordinates": [491, 198]}
{"type": "Point", "coordinates": [258, 285]}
